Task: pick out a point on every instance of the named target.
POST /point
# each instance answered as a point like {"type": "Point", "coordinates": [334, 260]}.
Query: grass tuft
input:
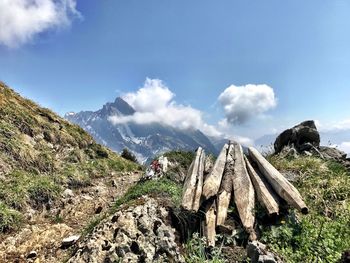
{"type": "Point", "coordinates": [9, 218]}
{"type": "Point", "coordinates": [162, 186]}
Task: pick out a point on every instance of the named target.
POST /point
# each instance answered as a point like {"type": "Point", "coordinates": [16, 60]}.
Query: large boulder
{"type": "Point", "coordinates": [302, 137]}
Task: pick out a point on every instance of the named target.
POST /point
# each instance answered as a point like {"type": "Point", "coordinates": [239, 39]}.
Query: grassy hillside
{"type": "Point", "coordinates": [324, 234]}
{"type": "Point", "coordinates": [321, 236]}
{"type": "Point", "coordinates": [41, 154]}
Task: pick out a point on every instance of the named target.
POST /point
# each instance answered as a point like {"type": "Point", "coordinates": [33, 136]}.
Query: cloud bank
{"type": "Point", "coordinates": [241, 103]}
{"type": "Point", "coordinates": [22, 20]}
{"type": "Point", "coordinates": [342, 125]}
{"type": "Point", "coordinates": [154, 102]}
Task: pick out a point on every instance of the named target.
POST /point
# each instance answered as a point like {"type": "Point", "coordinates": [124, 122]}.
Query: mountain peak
{"type": "Point", "coordinates": [119, 106]}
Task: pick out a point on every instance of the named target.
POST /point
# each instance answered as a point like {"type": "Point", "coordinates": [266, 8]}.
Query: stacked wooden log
{"type": "Point", "coordinates": [237, 177]}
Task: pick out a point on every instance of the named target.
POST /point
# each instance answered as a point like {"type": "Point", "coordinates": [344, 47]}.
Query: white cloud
{"type": "Point", "coordinates": [243, 140]}
{"type": "Point", "coordinates": [342, 125]}
{"type": "Point", "coordinates": [345, 146]}
{"type": "Point", "coordinates": [241, 103]}
{"type": "Point", "coordinates": [22, 20]}
{"type": "Point", "coordinates": [153, 95]}
{"type": "Point", "coordinates": [154, 102]}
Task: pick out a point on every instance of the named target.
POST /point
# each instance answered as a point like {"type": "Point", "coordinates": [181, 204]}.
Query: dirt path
{"type": "Point", "coordinates": [44, 232]}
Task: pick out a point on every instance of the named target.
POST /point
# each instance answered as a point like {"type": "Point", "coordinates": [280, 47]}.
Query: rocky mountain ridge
{"type": "Point", "coordinates": [144, 140]}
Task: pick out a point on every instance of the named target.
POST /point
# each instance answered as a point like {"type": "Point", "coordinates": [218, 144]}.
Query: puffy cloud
{"type": "Point", "coordinates": [153, 95]}
{"type": "Point", "coordinates": [21, 20]}
{"type": "Point", "coordinates": [241, 103]}
{"type": "Point", "coordinates": [154, 103]}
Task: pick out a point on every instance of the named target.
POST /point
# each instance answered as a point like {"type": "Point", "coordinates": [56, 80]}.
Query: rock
{"type": "Point", "coordinates": [289, 152]}
{"type": "Point", "coordinates": [345, 258]}
{"type": "Point", "coordinates": [87, 197]}
{"type": "Point", "coordinates": [258, 253]}
{"type": "Point", "coordinates": [254, 250]}
{"type": "Point", "coordinates": [68, 193]}
{"type": "Point", "coordinates": [69, 241]}
{"type": "Point", "coordinates": [98, 209]}
{"type": "Point", "coordinates": [133, 234]}
{"type": "Point", "coordinates": [333, 153]}
{"type": "Point", "coordinates": [29, 215]}
{"type": "Point", "coordinates": [32, 254]}
{"type": "Point", "coordinates": [115, 183]}
{"type": "Point", "coordinates": [303, 136]}
{"type": "Point", "coordinates": [266, 259]}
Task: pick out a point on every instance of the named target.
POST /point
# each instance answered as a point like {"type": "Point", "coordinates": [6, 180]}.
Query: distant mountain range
{"type": "Point", "coordinates": [144, 140]}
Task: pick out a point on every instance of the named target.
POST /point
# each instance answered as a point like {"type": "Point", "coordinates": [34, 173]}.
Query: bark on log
{"type": "Point", "coordinates": [264, 192]}
{"type": "Point", "coordinates": [224, 196]}
{"type": "Point", "coordinates": [210, 222]}
{"type": "Point", "coordinates": [213, 180]}
{"type": "Point", "coordinates": [243, 192]}
{"type": "Point", "coordinates": [190, 182]}
{"type": "Point", "coordinates": [199, 185]}
{"type": "Point", "coordinates": [278, 182]}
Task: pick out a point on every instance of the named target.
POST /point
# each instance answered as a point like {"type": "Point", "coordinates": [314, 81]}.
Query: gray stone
{"type": "Point", "coordinates": [333, 153]}
{"type": "Point", "coordinates": [134, 234]}
{"type": "Point", "coordinates": [302, 137]}
{"type": "Point", "coordinates": [266, 259]}
{"type": "Point", "coordinates": [254, 250]}
{"type": "Point", "coordinates": [69, 241]}
{"type": "Point", "coordinates": [68, 193]}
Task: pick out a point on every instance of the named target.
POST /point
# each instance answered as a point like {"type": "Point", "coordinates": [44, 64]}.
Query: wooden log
{"type": "Point", "coordinates": [199, 185]}
{"type": "Point", "coordinates": [224, 195]}
{"type": "Point", "coordinates": [190, 182]}
{"type": "Point", "coordinates": [213, 180]}
{"type": "Point", "coordinates": [265, 194]}
{"type": "Point", "coordinates": [208, 167]}
{"type": "Point", "coordinates": [210, 222]}
{"type": "Point", "coordinates": [243, 192]}
{"type": "Point", "coordinates": [278, 182]}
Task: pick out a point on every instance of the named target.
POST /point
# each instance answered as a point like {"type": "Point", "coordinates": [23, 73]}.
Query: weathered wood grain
{"type": "Point", "coordinates": [210, 222]}
{"type": "Point", "coordinates": [199, 184]}
{"type": "Point", "coordinates": [265, 194]}
{"type": "Point", "coordinates": [213, 180]}
{"type": "Point", "coordinates": [243, 192]}
{"type": "Point", "coordinates": [189, 188]}
{"type": "Point", "coordinates": [278, 182]}
{"type": "Point", "coordinates": [224, 195]}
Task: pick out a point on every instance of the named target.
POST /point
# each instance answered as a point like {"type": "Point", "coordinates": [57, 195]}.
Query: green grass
{"type": "Point", "coordinates": [43, 190]}
{"type": "Point", "coordinates": [196, 251]}
{"type": "Point", "coordinates": [21, 188]}
{"type": "Point", "coordinates": [93, 223]}
{"type": "Point", "coordinates": [41, 154]}
{"type": "Point", "coordinates": [323, 234]}
{"type": "Point", "coordinates": [9, 218]}
{"type": "Point", "coordinates": [162, 186]}
{"type": "Point", "coordinates": [182, 158]}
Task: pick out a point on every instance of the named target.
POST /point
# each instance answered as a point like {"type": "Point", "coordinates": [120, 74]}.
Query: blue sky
{"type": "Point", "coordinates": [198, 48]}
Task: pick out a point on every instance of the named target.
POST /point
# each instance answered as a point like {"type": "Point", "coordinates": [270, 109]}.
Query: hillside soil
{"type": "Point", "coordinates": [73, 214]}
